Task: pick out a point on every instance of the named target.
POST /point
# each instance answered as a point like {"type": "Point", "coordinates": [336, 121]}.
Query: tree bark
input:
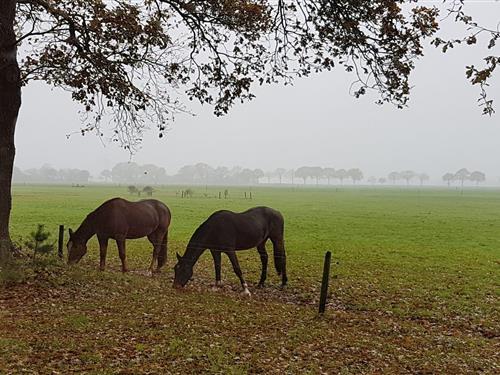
{"type": "Point", "coordinates": [10, 102]}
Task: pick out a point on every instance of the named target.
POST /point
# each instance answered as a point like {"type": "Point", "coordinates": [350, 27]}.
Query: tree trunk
{"type": "Point", "coordinates": [10, 102]}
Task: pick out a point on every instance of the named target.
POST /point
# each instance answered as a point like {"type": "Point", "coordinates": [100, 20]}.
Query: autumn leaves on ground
{"type": "Point", "coordinates": [414, 289]}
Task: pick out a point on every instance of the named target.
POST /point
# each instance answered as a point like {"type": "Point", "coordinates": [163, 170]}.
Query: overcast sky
{"type": "Point", "coordinates": [315, 122]}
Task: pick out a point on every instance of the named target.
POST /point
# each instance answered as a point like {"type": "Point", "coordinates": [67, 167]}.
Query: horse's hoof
{"type": "Point", "coordinates": [261, 285]}
{"type": "Point", "coordinates": [246, 293]}
{"type": "Point", "coordinates": [218, 284]}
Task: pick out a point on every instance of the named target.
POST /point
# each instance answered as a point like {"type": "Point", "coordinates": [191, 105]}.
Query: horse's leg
{"type": "Point", "coordinates": [103, 248]}
{"type": "Point", "coordinates": [121, 251]}
{"type": "Point", "coordinates": [237, 271]}
{"type": "Point", "coordinates": [155, 241]}
{"type": "Point", "coordinates": [162, 252]}
{"type": "Point", "coordinates": [263, 258]}
{"type": "Point", "coordinates": [216, 254]}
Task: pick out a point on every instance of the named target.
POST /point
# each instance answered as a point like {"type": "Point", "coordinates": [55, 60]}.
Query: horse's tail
{"type": "Point", "coordinates": [279, 248]}
{"type": "Point", "coordinates": [280, 260]}
{"type": "Point", "coordinates": [279, 255]}
{"type": "Point", "coordinates": [162, 255]}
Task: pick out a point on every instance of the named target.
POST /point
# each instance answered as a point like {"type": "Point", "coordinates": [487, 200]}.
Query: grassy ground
{"type": "Point", "coordinates": [414, 288]}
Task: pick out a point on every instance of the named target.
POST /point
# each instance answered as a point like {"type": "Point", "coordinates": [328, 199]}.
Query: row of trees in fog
{"type": "Point", "coordinates": [407, 176]}
{"type": "Point", "coordinates": [47, 174]}
{"type": "Point", "coordinates": [329, 174]}
{"type": "Point", "coordinates": [201, 173]}
{"type": "Point", "coordinates": [463, 175]}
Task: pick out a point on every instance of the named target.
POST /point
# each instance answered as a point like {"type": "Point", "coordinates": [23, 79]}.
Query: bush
{"type": "Point", "coordinates": [133, 190]}
{"type": "Point", "coordinates": [148, 190]}
{"type": "Point", "coordinates": [39, 241]}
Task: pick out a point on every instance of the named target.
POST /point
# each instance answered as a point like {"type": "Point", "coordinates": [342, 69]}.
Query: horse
{"type": "Point", "coordinates": [120, 219]}
{"type": "Point", "coordinates": [227, 232]}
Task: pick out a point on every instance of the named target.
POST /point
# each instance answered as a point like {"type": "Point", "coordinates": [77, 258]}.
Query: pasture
{"type": "Point", "coordinates": [414, 288]}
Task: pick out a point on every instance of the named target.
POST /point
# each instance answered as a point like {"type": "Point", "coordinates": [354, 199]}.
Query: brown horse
{"type": "Point", "coordinates": [120, 219]}
{"type": "Point", "coordinates": [227, 231]}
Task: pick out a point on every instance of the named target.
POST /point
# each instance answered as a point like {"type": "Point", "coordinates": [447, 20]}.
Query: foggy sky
{"type": "Point", "coordinates": [314, 122]}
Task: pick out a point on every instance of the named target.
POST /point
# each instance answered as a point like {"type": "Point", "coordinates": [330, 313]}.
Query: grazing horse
{"type": "Point", "coordinates": [227, 231]}
{"type": "Point", "coordinates": [120, 219]}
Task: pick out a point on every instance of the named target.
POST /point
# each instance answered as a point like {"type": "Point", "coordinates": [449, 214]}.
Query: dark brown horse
{"type": "Point", "coordinates": [120, 219]}
{"type": "Point", "coordinates": [227, 232]}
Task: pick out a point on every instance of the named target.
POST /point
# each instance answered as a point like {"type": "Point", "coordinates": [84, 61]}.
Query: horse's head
{"type": "Point", "coordinates": [76, 249]}
{"type": "Point", "coordinates": [183, 271]}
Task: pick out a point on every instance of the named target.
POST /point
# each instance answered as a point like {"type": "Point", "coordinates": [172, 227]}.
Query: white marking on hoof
{"type": "Point", "coordinates": [218, 283]}
{"type": "Point", "coordinates": [246, 293]}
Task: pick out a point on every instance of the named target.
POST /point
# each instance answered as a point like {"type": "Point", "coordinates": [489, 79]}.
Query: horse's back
{"type": "Point", "coordinates": [272, 218]}
{"type": "Point", "coordinates": [263, 213]}
{"type": "Point", "coordinates": [164, 214]}
{"type": "Point", "coordinates": [157, 205]}
{"type": "Point", "coordinates": [241, 230]}
{"type": "Point", "coordinates": [133, 219]}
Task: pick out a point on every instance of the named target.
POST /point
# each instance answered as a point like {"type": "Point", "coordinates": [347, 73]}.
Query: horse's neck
{"type": "Point", "coordinates": [193, 252]}
{"type": "Point", "coordinates": [85, 230]}
{"type": "Point", "coordinates": [197, 244]}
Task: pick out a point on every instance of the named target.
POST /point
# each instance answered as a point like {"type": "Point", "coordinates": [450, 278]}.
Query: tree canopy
{"type": "Point", "coordinates": [137, 61]}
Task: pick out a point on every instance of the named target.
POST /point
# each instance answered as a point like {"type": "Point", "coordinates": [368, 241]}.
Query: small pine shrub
{"type": "Point", "coordinates": [39, 241]}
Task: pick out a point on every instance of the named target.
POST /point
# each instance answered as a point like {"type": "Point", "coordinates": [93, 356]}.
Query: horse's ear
{"type": "Point", "coordinates": [178, 257]}
{"type": "Point", "coordinates": [70, 232]}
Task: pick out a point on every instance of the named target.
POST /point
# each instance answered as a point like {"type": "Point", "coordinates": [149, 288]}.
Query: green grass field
{"type": "Point", "coordinates": [414, 289]}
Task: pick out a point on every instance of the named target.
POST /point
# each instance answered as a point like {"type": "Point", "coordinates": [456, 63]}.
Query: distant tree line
{"type": "Point", "coordinates": [47, 174]}
{"type": "Point", "coordinates": [318, 174]}
{"type": "Point", "coordinates": [463, 175]}
{"type": "Point", "coordinates": [407, 176]}
{"type": "Point", "coordinates": [198, 174]}
{"type": "Point", "coordinates": [204, 174]}
{"type": "Point", "coordinates": [147, 175]}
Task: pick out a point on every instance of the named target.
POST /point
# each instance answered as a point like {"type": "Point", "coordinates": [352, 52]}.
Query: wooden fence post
{"type": "Point", "coordinates": [61, 241]}
{"type": "Point", "coordinates": [324, 283]}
